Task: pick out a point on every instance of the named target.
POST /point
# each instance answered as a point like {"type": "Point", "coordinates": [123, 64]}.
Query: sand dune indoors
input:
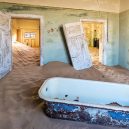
{"type": "Point", "coordinates": [21, 107]}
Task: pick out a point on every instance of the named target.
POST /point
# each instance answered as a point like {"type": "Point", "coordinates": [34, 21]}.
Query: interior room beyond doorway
{"type": "Point", "coordinates": [25, 41]}
{"type": "Point", "coordinates": [26, 31]}
{"type": "Point", "coordinates": [94, 36]}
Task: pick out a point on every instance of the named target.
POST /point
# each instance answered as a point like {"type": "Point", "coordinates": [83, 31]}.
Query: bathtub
{"type": "Point", "coordinates": [88, 101]}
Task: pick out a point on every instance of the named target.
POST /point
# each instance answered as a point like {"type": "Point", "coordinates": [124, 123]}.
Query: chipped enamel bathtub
{"type": "Point", "coordinates": [88, 101]}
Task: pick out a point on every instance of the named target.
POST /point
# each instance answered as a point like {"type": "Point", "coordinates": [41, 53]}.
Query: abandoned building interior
{"type": "Point", "coordinates": [70, 46]}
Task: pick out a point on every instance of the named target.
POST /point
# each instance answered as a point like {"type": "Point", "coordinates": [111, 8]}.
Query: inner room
{"type": "Point", "coordinates": [93, 32]}
{"type": "Point", "coordinates": [26, 40]}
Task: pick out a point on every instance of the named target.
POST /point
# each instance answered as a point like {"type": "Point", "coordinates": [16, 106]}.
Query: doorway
{"type": "Point", "coordinates": [6, 40]}
{"type": "Point", "coordinates": [26, 31]}
{"type": "Point", "coordinates": [26, 41]}
{"type": "Point", "coordinates": [31, 38]}
{"type": "Point", "coordinates": [95, 32]}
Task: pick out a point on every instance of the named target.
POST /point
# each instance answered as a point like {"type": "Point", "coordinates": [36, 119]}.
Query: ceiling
{"type": "Point", "coordinates": [124, 5]}
{"type": "Point", "coordinates": [98, 5]}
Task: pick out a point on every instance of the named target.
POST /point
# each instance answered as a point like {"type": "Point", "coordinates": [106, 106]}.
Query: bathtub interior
{"type": "Point", "coordinates": [85, 91]}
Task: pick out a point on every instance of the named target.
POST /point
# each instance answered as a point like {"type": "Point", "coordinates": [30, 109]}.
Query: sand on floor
{"type": "Point", "coordinates": [20, 106]}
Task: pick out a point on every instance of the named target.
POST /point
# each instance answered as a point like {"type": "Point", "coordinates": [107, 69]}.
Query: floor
{"type": "Point", "coordinates": [94, 53]}
{"type": "Point", "coordinates": [117, 74]}
{"type": "Point", "coordinates": [21, 107]}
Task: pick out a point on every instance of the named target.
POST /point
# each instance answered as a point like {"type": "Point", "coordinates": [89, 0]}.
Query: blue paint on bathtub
{"type": "Point", "coordinates": [87, 114]}
{"type": "Point", "coordinates": [67, 108]}
{"type": "Point", "coordinates": [119, 115]}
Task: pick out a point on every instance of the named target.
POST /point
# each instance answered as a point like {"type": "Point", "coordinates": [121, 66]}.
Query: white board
{"type": "Point", "coordinates": [5, 45]}
{"type": "Point", "coordinates": [77, 46]}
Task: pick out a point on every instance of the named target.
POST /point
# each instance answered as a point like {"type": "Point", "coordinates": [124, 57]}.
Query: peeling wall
{"type": "Point", "coordinates": [55, 46]}
{"type": "Point", "coordinates": [105, 5]}
{"type": "Point", "coordinates": [124, 39]}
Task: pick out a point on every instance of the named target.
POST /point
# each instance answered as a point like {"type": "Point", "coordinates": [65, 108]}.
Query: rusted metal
{"type": "Point", "coordinates": [92, 115]}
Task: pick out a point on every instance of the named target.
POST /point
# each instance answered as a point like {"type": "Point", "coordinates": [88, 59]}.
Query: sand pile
{"type": "Point", "coordinates": [20, 106]}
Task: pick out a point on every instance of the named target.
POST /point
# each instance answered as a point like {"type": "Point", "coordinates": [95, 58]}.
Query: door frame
{"type": "Point", "coordinates": [10, 48]}
{"type": "Point", "coordinates": [102, 58]}
{"type": "Point", "coordinates": [42, 25]}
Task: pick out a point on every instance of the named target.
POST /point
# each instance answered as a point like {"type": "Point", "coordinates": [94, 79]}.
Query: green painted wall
{"type": "Point", "coordinates": [55, 46]}
{"type": "Point", "coordinates": [124, 39]}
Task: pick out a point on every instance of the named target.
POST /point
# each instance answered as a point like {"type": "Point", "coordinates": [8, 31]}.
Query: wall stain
{"type": "Point", "coordinates": [7, 5]}
{"type": "Point", "coordinates": [45, 8]}
{"type": "Point", "coordinates": [17, 8]}
{"type": "Point", "coordinates": [51, 30]}
{"type": "Point", "coordinates": [78, 15]}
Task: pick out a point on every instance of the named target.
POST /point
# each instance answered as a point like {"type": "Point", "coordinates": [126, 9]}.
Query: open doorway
{"type": "Point", "coordinates": [26, 41]}
{"type": "Point", "coordinates": [95, 32]}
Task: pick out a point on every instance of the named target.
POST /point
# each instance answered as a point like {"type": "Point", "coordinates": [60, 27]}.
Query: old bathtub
{"type": "Point", "coordinates": [84, 100]}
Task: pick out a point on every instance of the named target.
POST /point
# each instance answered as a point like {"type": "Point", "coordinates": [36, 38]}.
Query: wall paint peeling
{"type": "Point", "coordinates": [55, 45]}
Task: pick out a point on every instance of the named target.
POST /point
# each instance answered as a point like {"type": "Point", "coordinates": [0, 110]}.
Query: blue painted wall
{"type": "Point", "coordinates": [55, 46]}
{"type": "Point", "coordinates": [124, 39]}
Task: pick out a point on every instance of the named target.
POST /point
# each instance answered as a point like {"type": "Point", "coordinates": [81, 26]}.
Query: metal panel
{"type": "Point", "coordinates": [90, 115]}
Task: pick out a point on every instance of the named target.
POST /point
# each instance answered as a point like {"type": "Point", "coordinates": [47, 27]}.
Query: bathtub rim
{"type": "Point", "coordinates": [108, 107]}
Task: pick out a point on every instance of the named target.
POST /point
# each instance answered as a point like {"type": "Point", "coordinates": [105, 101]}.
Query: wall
{"type": "Point", "coordinates": [55, 45]}
{"type": "Point", "coordinates": [97, 5]}
{"type": "Point", "coordinates": [14, 30]}
{"type": "Point", "coordinates": [26, 23]}
{"type": "Point", "coordinates": [124, 39]}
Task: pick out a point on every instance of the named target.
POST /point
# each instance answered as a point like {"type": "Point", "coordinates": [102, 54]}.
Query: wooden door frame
{"type": "Point", "coordinates": [42, 24]}
{"type": "Point", "coordinates": [105, 36]}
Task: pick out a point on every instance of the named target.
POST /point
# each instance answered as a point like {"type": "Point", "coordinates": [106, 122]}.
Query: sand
{"type": "Point", "coordinates": [20, 106]}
